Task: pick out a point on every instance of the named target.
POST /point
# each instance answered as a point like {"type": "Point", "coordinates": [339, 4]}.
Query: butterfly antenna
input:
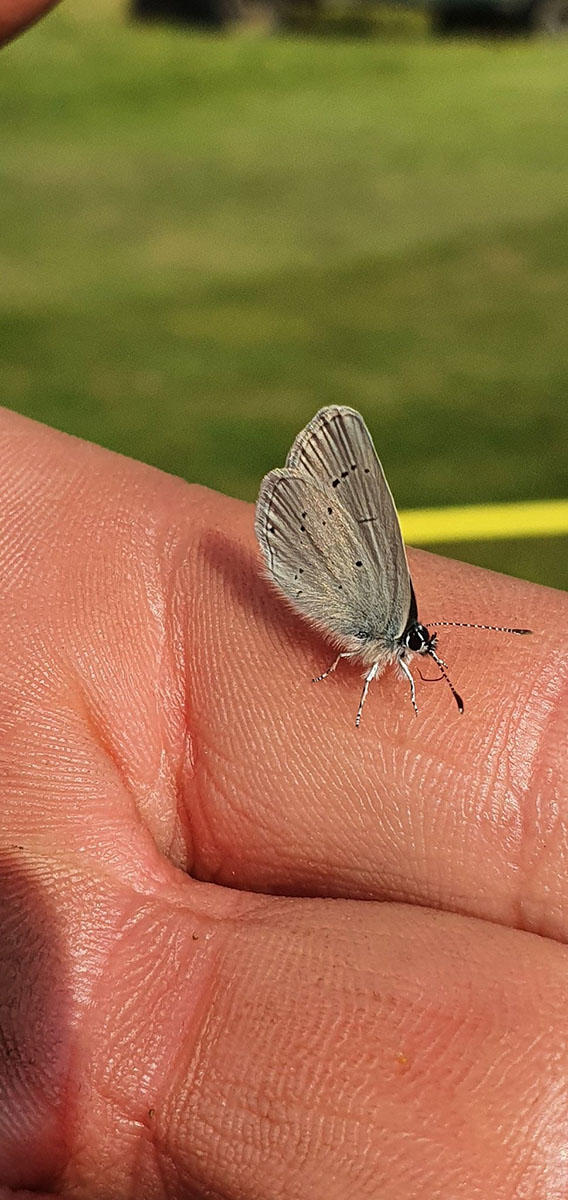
{"type": "Point", "coordinates": [467, 625]}
{"type": "Point", "coordinates": [442, 665]}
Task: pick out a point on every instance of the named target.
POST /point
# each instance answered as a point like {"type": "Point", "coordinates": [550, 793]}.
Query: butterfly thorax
{"type": "Point", "coordinates": [415, 639]}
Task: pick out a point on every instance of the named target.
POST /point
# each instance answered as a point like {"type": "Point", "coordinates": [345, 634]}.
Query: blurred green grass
{"type": "Point", "coordinates": [203, 239]}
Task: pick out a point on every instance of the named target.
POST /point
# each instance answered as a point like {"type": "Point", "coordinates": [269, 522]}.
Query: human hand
{"type": "Point", "coordinates": [187, 1008]}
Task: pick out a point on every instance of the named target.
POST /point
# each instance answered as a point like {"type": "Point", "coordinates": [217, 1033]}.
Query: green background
{"type": "Point", "coordinates": [204, 239]}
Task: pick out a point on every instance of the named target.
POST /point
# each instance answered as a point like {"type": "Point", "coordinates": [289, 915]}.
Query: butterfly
{"type": "Point", "coordinates": [330, 537]}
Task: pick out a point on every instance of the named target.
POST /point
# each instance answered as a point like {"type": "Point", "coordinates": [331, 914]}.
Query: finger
{"type": "Point", "coordinates": [16, 15]}
{"type": "Point", "coordinates": [327, 1049]}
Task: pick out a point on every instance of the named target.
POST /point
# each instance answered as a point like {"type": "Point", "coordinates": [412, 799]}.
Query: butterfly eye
{"type": "Point", "coordinates": [417, 638]}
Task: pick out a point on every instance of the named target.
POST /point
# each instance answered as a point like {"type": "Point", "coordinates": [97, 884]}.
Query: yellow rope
{"type": "Point", "coordinates": [485, 522]}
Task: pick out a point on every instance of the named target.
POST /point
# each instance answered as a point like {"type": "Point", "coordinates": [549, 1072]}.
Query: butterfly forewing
{"type": "Point", "coordinates": [336, 450]}
{"type": "Point", "coordinates": [313, 551]}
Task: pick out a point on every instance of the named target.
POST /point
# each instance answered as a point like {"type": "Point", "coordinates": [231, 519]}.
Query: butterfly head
{"type": "Point", "coordinates": [418, 639]}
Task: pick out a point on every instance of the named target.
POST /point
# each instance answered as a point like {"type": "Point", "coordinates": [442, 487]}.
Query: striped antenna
{"type": "Point", "coordinates": [468, 625]}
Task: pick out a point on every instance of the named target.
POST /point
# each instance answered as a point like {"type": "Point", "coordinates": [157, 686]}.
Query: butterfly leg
{"type": "Point", "coordinates": [408, 674]}
{"type": "Point", "coordinates": [368, 679]}
{"type": "Point", "coordinates": [319, 678]}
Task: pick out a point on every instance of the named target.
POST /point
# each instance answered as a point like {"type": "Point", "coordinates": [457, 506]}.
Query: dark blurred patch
{"type": "Point", "coordinates": [206, 14]}
{"type": "Point", "coordinates": [182, 12]}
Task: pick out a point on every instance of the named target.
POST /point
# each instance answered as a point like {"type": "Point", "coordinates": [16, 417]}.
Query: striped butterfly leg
{"type": "Point", "coordinates": [368, 679]}
{"type": "Point", "coordinates": [408, 674]}
{"type": "Point", "coordinates": [324, 675]}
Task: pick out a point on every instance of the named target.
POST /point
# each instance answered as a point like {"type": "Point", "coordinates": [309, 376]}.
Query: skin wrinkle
{"type": "Point", "coordinates": [246, 585]}
{"type": "Point", "coordinates": [492, 797]}
{"type": "Point", "coordinates": [237, 582]}
{"type": "Point", "coordinates": [160, 804]}
{"type": "Point", "coordinates": [533, 843]}
{"type": "Point", "coordinates": [162, 660]}
{"type": "Point", "coordinates": [185, 771]}
{"type": "Point", "coordinates": [149, 1158]}
{"type": "Point", "coordinates": [188, 1078]}
{"type": "Point", "coordinates": [209, 856]}
{"type": "Point", "coordinates": [500, 767]}
{"type": "Point", "coordinates": [545, 1167]}
{"type": "Point", "coordinates": [99, 731]}
{"type": "Point", "coordinates": [238, 801]}
{"type": "Point", "coordinates": [121, 1098]}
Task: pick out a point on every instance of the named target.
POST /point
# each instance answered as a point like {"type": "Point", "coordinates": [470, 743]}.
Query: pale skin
{"type": "Point", "coordinates": [186, 1009]}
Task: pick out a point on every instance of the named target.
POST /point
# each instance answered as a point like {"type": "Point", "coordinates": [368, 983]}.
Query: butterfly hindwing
{"type": "Point", "coordinates": [313, 550]}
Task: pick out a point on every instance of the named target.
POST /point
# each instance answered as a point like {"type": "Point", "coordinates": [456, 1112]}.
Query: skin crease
{"type": "Point", "coordinates": [187, 1010]}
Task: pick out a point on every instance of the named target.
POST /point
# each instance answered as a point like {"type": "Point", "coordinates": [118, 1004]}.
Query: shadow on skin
{"type": "Point", "coordinates": [35, 1054]}
{"type": "Point", "coordinates": [247, 586]}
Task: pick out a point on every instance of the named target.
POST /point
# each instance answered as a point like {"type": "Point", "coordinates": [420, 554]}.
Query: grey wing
{"type": "Point", "coordinates": [337, 451]}
{"type": "Point", "coordinates": [313, 552]}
